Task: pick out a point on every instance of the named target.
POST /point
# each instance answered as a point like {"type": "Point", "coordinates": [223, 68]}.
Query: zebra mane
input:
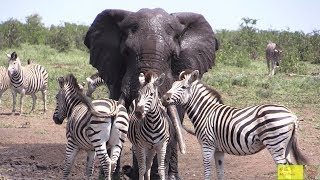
{"type": "Point", "coordinates": [72, 80]}
{"type": "Point", "coordinates": [212, 91]}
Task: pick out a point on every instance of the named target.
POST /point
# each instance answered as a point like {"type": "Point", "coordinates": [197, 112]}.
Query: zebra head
{"type": "Point", "coordinates": [14, 64]}
{"type": "Point", "coordinates": [181, 90]}
{"type": "Point", "coordinates": [60, 113]}
{"type": "Point", "coordinates": [148, 95]}
{"type": "Point", "coordinates": [66, 96]}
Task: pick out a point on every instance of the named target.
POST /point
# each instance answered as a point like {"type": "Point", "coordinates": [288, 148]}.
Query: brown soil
{"type": "Point", "coordinates": [33, 147]}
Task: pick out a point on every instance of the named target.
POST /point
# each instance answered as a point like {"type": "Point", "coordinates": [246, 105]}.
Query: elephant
{"type": "Point", "coordinates": [124, 44]}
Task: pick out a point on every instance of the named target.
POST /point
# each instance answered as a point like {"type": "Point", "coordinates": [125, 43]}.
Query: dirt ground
{"type": "Point", "coordinates": [33, 147]}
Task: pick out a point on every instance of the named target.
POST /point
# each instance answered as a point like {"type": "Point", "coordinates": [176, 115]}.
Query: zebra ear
{"type": "Point", "coordinates": [61, 81]}
{"type": "Point", "coordinates": [9, 56]}
{"type": "Point", "coordinates": [142, 79]}
{"type": "Point", "coordinates": [181, 75]}
{"type": "Point", "coordinates": [194, 76]}
{"type": "Point", "coordinates": [160, 80]}
{"type": "Point", "coordinates": [89, 80]}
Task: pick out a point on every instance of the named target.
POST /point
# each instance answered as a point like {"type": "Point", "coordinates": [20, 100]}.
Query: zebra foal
{"type": "Point", "coordinates": [149, 129]}
{"type": "Point", "coordinates": [92, 126]}
{"type": "Point", "coordinates": [27, 80]}
{"type": "Point", "coordinates": [224, 129]}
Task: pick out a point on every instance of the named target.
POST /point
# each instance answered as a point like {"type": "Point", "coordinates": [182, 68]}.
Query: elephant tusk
{"type": "Point", "coordinates": [177, 126]}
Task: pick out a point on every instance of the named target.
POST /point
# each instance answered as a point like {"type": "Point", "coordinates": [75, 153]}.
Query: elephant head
{"type": "Point", "coordinates": [124, 44]}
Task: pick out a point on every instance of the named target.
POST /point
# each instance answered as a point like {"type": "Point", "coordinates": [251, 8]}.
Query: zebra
{"type": "Point", "coordinates": [4, 81]}
{"type": "Point", "coordinates": [95, 127]}
{"type": "Point", "coordinates": [149, 128]}
{"type": "Point", "coordinates": [94, 82]}
{"type": "Point", "coordinates": [224, 129]}
{"type": "Point", "coordinates": [273, 56]}
{"type": "Point", "coordinates": [27, 80]}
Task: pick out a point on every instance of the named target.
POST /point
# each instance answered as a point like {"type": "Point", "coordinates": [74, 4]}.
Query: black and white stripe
{"type": "Point", "coordinates": [27, 80]}
{"type": "Point", "coordinates": [4, 81]}
{"type": "Point", "coordinates": [149, 129]}
{"type": "Point", "coordinates": [92, 126]}
{"type": "Point", "coordinates": [94, 82]}
{"type": "Point", "coordinates": [224, 129]}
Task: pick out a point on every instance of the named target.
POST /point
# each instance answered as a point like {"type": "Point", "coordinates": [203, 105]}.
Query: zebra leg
{"type": "Point", "coordinates": [44, 98]}
{"type": "Point", "coordinates": [273, 67]}
{"type": "Point", "coordinates": [71, 153]}
{"type": "Point", "coordinates": [150, 154]}
{"type": "Point", "coordinates": [207, 154]}
{"type": "Point", "coordinates": [161, 155]}
{"type": "Point", "coordinates": [22, 93]}
{"type": "Point", "coordinates": [0, 100]}
{"type": "Point", "coordinates": [14, 101]}
{"type": "Point", "coordinates": [219, 160]}
{"type": "Point", "coordinates": [90, 161]}
{"type": "Point", "coordinates": [34, 99]}
{"type": "Point", "coordinates": [141, 157]}
{"type": "Point", "coordinates": [104, 159]}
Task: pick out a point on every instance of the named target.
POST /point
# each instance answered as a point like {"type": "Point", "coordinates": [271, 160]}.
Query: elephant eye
{"type": "Point", "coordinates": [134, 28]}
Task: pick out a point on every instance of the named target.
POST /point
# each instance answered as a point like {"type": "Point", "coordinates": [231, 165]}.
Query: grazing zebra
{"type": "Point", "coordinates": [273, 56]}
{"type": "Point", "coordinates": [149, 128]}
{"type": "Point", "coordinates": [94, 82]}
{"type": "Point", "coordinates": [27, 80]}
{"type": "Point", "coordinates": [92, 126]}
{"type": "Point", "coordinates": [224, 129]}
{"type": "Point", "coordinates": [4, 81]}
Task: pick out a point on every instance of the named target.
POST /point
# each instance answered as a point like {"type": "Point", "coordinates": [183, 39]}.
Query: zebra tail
{"type": "Point", "coordinates": [300, 158]}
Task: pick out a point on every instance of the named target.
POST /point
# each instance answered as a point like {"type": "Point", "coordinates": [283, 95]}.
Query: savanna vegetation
{"type": "Point", "coordinates": [240, 73]}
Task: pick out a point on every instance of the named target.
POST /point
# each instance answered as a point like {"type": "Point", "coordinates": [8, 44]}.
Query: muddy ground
{"type": "Point", "coordinates": [33, 147]}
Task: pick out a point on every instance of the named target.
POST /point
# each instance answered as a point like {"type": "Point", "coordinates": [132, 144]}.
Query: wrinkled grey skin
{"type": "Point", "coordinates": [123, 44]}
{"type": "Point", "coordinates": [273, 56]}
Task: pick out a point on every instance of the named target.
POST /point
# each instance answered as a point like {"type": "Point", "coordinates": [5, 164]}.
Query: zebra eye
{"type": "Point", "coordinates": [151, 94]}
{"type": "Point", "coordinates": [183, 87]}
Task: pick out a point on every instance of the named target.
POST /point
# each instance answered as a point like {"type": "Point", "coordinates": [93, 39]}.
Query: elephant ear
{"type": "Point", "coordinates": [197, 42]}
{"type": "Point", "coordinates": [103, 39]}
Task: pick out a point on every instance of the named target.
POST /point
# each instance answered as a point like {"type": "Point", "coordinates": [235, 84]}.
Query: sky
{"type": "Point", "coordinates": [293, 15]}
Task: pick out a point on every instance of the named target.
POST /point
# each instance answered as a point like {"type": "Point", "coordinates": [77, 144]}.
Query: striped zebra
{"type": "Point", "coordinates": [149, 128]}
{"type": "Point", "coordinates": [224, 129]}
{"type": "Point", "coordinates": [273, 56]}
{"type": "Point", "coordinates": [4, 81]}
{"type": "Point", "coordinates": [94, 82]}
{"type": "Point", "coordinates": [95, 127]}
{"type": "Point", "coordinates": [27, 80]}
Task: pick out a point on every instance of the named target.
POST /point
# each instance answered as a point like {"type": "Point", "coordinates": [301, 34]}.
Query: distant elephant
{"type": "Point", "coordinates": [273, 56]}
{"type": "Point", "coordinates": [123, 44]}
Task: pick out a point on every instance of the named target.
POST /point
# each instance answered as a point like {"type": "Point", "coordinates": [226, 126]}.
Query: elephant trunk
{"type": "Point", "coordinates": [173, 113]}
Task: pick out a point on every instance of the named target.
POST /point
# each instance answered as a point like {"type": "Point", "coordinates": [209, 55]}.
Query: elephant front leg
{"type": "Point", "coordinates": [219, 160]}
{"type": "Point", "coordinates": [90, 163]}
